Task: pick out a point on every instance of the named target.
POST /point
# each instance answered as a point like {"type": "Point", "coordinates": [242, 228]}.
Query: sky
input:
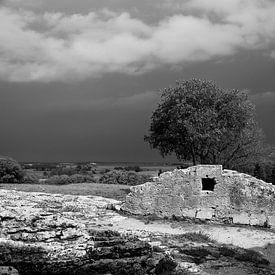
{"type": "Point", "coordinates": [79, 80]}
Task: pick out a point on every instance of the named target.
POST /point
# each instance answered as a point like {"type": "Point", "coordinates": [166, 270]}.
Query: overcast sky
{"type": "Point", "coordinates": [80, 79]}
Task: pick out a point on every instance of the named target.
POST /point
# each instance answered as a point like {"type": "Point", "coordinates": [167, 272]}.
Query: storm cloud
{"type": "Point", "coordinates": [55, 46]}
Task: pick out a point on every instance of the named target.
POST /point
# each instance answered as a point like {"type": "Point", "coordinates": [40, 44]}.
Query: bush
{"type": "Point", "coordinates": [133, 168]}
{"type": "Point", "coordinates": [63, 171]}
{"type": "Point", "coordinates": [129, 168]}
{"type": "Point", "coordinates": [118, 168]}
{"type": "Point", "coordinates": [30, 178]}
{"type": "Point", "coordinates": [65, 179]}
{"type": "Point", "coordinates": [10, 171]}
{"type": "Point", "coordinates": [60, 180]}
{"type": "Point", "coordinates": [79, 178]}
{"type": "Point", "coordinates": [123, 177]}
{"type": "Point", "coordinates": [102, 172]}
{"type": "Point", "coordinates": [244, 255]}
{"type": "Point", "coordinates": [199, 237]}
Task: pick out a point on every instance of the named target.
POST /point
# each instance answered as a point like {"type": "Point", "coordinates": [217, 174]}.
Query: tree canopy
{"type": "Point", "coordinates": [199, 121]}
{"type": "Point", "coordinates": [10, 170]}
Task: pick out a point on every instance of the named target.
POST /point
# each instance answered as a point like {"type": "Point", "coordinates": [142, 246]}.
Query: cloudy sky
{"type": "Point", "coordinates": [80, 79]}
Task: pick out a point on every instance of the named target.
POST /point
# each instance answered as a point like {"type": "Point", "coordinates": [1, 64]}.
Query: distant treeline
{"type": "Point", "coordinates": [263, 171]}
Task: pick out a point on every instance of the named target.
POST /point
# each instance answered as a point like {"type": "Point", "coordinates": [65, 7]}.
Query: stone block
{"type": "Point", "coordinates": [242, 218]}
{"type": "Point", "coordinates": [205, 214]}
{"type": "Point", "coordinates": [257, 219]}
{"type": "Point", "coordinates": [211, 171]}
{"type": "Point", "coordinates": [8, 270]}
{"type": "Point", "coordinates": [271, 221]}
{"type": "Point", "coordinates": [191, 213]}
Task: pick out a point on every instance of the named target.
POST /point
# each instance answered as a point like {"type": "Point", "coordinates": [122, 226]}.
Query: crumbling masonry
{"type": "Point", "coordinates": [206, 192]}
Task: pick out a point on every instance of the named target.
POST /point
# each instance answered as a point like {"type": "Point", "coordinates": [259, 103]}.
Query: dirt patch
{"type": "Point", "coordinates": [246, 237]}
{"type": "Point", "coordinates": [269, 252]}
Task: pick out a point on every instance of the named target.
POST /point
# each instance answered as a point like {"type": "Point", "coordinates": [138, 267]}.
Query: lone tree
{"type": "Point", "coordinates": [199, 121]}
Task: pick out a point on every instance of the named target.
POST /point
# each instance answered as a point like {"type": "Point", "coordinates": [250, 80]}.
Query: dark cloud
{"type": "Point", "coordinates": [105, 119]}
{"type": "Point", "coordinates": [75, 47]}
{"type": "Point", "coordinates": [83, 86]}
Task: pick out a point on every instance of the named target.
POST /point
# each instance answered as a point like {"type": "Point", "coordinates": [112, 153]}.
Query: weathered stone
{"type": "Point", "coordinates": [191, 213]}
{"type": "Point", "coordinates": [241, 218]}
{"type": "Point", "coordinates": [258, 219]}
{"type": "Point", "coordinates": [54, 234]}
{"type": "Point", "coordinates": [271, 221]}
{"type": "Point", "coordinates": [211, 193]}
{"type": "Point", "coordinates": [205, 214]}
{"type": "Point", "coordinates": [8, 270]}
{"type": "Point", "coordinates": [60, 234]}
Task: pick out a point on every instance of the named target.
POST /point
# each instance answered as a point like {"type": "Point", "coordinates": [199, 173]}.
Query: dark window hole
{"type": "Point", "coordinates": [208, 184]}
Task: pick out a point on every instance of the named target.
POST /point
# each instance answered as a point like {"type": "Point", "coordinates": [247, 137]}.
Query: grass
{"type": "Point", "coordinates": [112, 191]}
{"type": "Point", "coordinates": [198, 237]}
{"type": "Point", "coordinates": [244, 255]}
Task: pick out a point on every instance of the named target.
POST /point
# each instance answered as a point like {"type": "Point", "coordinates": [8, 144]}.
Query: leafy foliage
{"type": "Point", "coordinates": [199, 121]}
{"type": "Point", "coordinates": [70, 171]}
{"type": "Point", "coordinates": [129, 168]}
{"type": "Point", "coordinates": [123, 177]}
{"type": "Point", "coordinates": [65, 179]}
{"type": "Point", "coordinates": [80, 178]}
{"type": "Point", "coordinates": [63, 171]}
{"type": "Point", "coordinates": [10, 170]}
{"type": "Point", "coordinates": [62, 179]}
{"type": "Point", "coordinates": [264, 171]}
{"type": "Point", "coordinates": [30, 178]}
{"type": "Point", "coordinates": [199, 237]}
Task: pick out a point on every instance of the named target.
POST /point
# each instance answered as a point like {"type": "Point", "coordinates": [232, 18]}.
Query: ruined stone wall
{"type": "Point", "coordinates": [236, 198]}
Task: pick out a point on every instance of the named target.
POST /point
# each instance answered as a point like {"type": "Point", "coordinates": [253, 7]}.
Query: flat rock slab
{"type": "Point", "coordinates": [41, 210]}
{"type": "Point", "coordinates": [52, 234]}
{"type": "Point", "coordinates": [45, 218]}
{"type": "Point", "coordinates": [44, 233]}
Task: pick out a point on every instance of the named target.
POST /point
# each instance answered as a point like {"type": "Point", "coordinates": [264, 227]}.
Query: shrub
{"type": "Point", "coordinates": [195, 237]}
{"type": "Point", "coordinates": [30, 178]}
{"type": "Point", "coordinates": [60, 180]}
{"type": "Point", "coordinates": [118, 168]}
{"type": "Point", "coordinates": [244, 255]}
{"type": "Point", "coordinates": [123, 177]}
{"type": "Point", "coordinates": [102, 172]}
{"type": "Point", "coordinates": [79, 178]}
{"type": "Point", "coordinates": [59, 171]}
{"type": "Point", "coordinates": [10, 171]}
{"type": "Point", "coordinates": [166, 265]}
{"type": "Point", "coordinates": [86, 168]}
{"type": "Point", "coordinates": [133, 168]}
{"type": "Point", "coordinates": [129, 168]}
{"type": "Point", "coordinates": [65, 179]}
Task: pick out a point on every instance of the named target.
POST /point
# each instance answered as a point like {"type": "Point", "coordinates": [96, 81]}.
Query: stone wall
{"type": "Point", "coordinates": [237, 197]}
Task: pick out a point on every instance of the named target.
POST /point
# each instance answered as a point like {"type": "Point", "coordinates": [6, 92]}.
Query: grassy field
{"type": "Point", "coordinates": [113, 191]}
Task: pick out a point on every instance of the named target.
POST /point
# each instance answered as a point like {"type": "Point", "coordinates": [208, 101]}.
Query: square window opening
{"type": "Point", "coordinates": [208, 184]}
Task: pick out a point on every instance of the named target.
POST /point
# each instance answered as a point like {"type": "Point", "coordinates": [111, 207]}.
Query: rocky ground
{"type": "Point", "coordinates": [44, 233]}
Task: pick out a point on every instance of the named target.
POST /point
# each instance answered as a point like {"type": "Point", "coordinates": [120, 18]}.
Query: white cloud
{"type": "Point", "coordinates": [58, 47]}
